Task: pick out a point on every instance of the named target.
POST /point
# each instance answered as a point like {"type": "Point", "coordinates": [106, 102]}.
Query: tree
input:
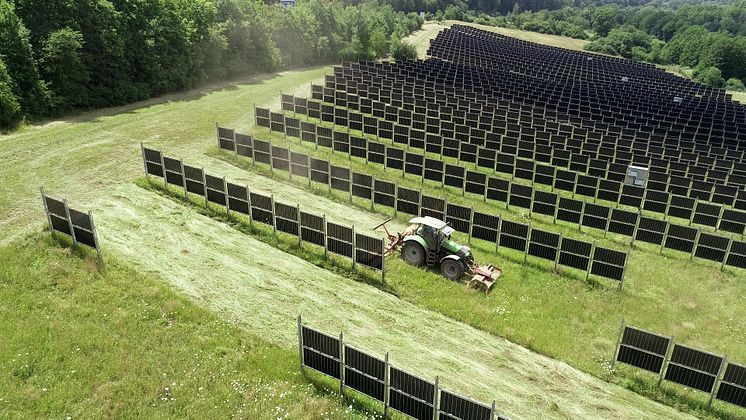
{"type": "Point", "coordinates": [709, 76]}
{"type": "Point", "coordinates": [64, 70]}
{"type": "Point", "coordinates": [10, 109]}
{"type": "Point", "coordinates": [15, 49]}
{"type": "Point", "coordinates": [378, 42]}
{"type": "Point", "coordinates": [403, 51]}
{"type": "Point", "coordinates": [604, 20]}
{"type": "Point", "coordinates": [735, 84]}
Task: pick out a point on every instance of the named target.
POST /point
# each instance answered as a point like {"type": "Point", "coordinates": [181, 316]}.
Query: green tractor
{"type": "Point", "coordinates": [427, 242]}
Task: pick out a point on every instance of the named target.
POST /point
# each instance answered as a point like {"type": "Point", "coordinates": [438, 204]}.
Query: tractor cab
{"type": "Point", "coordinates": [436, 233]}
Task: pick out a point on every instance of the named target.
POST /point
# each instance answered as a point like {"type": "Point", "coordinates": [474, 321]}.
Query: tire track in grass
{"type": "Point", "coordinates": [262, 288]}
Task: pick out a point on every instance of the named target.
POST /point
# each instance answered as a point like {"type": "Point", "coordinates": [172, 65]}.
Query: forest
{"type": "Point", "coordinates": [63, 55]}
{"type": "Point", "coordinates": [708, 38]}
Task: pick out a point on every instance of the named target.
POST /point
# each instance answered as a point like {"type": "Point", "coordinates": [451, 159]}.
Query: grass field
{"type": "Point", "coordinates": [85, 341]}
{"type": "Point", "coordinates": [94, 159]}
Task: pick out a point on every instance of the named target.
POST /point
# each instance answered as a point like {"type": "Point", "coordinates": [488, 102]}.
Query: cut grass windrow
{"type": "Point", "coordinates": [264, 289]}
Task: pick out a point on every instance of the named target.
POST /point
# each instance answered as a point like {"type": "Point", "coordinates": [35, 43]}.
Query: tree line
{"type": "Point", "coordinates": [708, 38]}
{"type": "Point", "coordinates": [60, 55]}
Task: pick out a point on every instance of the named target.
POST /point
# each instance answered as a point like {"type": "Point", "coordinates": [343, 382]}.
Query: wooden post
{"type": "Point", "coordinates": [618, 341]}
{"type": "Point", "coordinates": [70, 223]}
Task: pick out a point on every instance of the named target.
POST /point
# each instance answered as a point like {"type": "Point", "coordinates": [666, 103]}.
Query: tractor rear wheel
{"type": "Point", "coordinates": [452, 269]}
{"type": "Point", "coordinates": [413, 253]}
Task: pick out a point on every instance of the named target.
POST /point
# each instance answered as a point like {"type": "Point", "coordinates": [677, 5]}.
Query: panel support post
{"type": "Point", "coordinates": [274, 215]}
{"type": "Point", "coordinates": [436, 403]}
{"type": "Point", "coordinates": [717, 378]}
{"type": "Point", "coordinates": [300, 236]}
{"type": "Point", "coordinates": [144, 161]}
{"type": "Point", "coordinates": [163, 168]}
{"type": "Point", "coordinates": [665, 237]}
{"type": "Point", "coordinates": [492, 410]}
{"type": "Point", "coordinates": [525, 247]}
{"type": "Point", "coordinates": [665, 362]}
{"type": "Point", "coordinates": [616, 347]}
{"type": "Point", "coordinates": [217, 134]}
{"type": "Point", "coordinates": [300, 343]}
{"type": "Point", "coordinates": [70, 223]}
{"type": "Point", "coordinates": [694, 245]}
{"type": "Point", "coordinates": [637, 226]}
{"type": "Point", "coordinates": [727, 253]}
{"type": "Point", "coordinates": [227, 200]}
{"type": "Point", "coordinates": [590, 260]}
{"type": "Point", "coordinates": [624, 271]}
{"type": "Point", "coordinates": [353, 248]}
{"type": "Point", "coordinates": [386, 386]}
{"type": "Point", "coordinates": [183, 179]}
{"type": "Point", "coordinates": [248, 201]}
{"type": "Point", "coordinates": [557, 255]}
{"type": "Point", "coordinates": [46, 210]}
{"type": "Point", "coordinates": [341, 364]}
{"type": "Point", "coordinates": [95, 235]}
{"type": "Point", "coordinates": [204, 187]}
{"type": "Point", "coordinates": [326, 242]}
{"type": "Point", "coordinates": [499, 231]}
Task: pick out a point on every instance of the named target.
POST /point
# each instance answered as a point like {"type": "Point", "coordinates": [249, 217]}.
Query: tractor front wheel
{"type": "Point", "coordinates": [413, 253]}
{"type": "Point", "coordinates": [452, 269]}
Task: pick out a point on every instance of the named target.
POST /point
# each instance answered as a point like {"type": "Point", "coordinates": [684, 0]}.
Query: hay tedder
{"type": "Point", "coordinates": [427, 241]}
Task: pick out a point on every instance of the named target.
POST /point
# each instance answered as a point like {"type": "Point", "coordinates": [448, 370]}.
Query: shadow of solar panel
{"type": "Point", "coordinates": [608, 263]}
{"type": "Point", "coordinates": [575, 254]}
{"type": "Point", "coordinates": [456, 407]}
{"type": "Point", "coordinates": [681, 238]}
{"type": "Point", "coordinates": [520, 195]}
{"type": "Point", "coordinates": [497, 189]}
{"type": "Point", "coordinates": [733, 386]}
{"type": "Point", "coordinates": [569, 210]}
{"type": "Point", "coordinates": [622, 222]}
{"type": "Point", "coordinates": [595, 216]}
{"type": "Point", "coordinates": [643, 349]}
{"type": "Point", "coordinates": [384, 193]}
{"type": "Point", "coordinates": [60, 224]}
{"type": "Point", "coordinates": [320, 171]}
{"type": "Point", "coordinates": [693, 368]}
{"type": "Point", "coordinates": [408, 201]}
{"type": "Point", "coordinates": [80, 219]}
{"type": "Point", "coordinates": [737, 255]}
{"type": "Point", "coordinates": [544, 202]}
{"type": "Point", "coordinates": [651, 230]}
{"type": "Point", "coordinates": [706, 214]}
{"type": "Point", "coordinates": [459, 217]}
{"type": "Point", "coordinates": [543, 244]}
{"type": "Point", "coordinates": [733, 221]}
{"type": "Point", "coordinates": [711, 247]}
{"type": "Point", "coordinates": [56, 207]}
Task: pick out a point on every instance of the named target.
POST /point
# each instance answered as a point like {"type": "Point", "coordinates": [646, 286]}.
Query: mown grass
{"type": "Point", "coordinates": [564, 316]}
{"type": "Point", "coordinates": [82, 338]}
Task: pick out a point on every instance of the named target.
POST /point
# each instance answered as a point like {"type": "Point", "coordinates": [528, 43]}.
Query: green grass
{"type": "Point", "coordinates": [564, 316]}
{"type": "Point", "coordinates": [85, 339]}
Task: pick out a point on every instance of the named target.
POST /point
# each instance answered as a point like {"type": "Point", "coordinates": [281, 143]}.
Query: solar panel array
{"type": "Point", "coordinates": [74, 223]}
{"type": "Point", "coordinates": [334, 238]}
{"type": "Point", "coordinates": [521, 237]}
{"type": "Point", "coordinates": [696, 369]}
{"type": "Point", "coordinates": [397, 389]}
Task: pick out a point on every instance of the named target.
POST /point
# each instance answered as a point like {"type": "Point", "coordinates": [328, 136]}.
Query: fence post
{"type": "Point", "coordinates": [341, 364]}
{"type": "Point", "coordinates": [717, 379]}
{"type": "Point", "coordinates": [386, 386]}
{"type": "Point", "coordinates": [95, 235]}
{"type": "Point", "coordinates": [300, 343]}
{"type": "Point", "coordinates": [436, 403]}
{"type": "Point", "coordinates": [46, 210]}
{"type": "Point", "coordinates": [70, 223]}
{"type": "Point", "coordinates": [618, 341]}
